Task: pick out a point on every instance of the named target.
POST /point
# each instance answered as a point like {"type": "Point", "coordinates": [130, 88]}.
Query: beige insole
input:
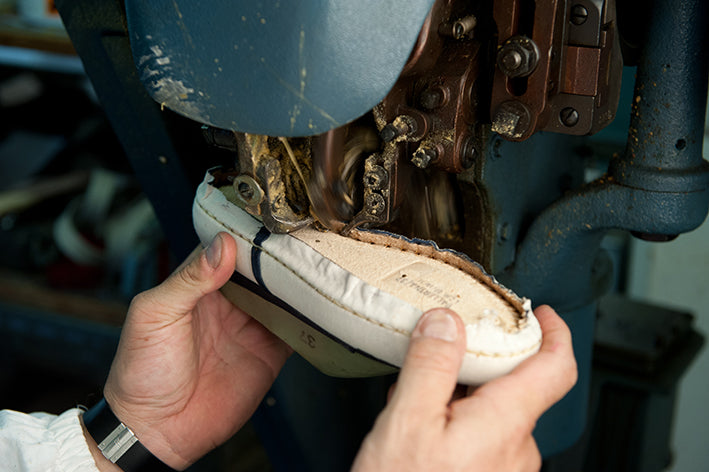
{"type": "Point", "coordinates": [418, 279]}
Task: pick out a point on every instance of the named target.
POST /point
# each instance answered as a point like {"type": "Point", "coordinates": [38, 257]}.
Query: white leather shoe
{"type": "Point", "coordinates": [349, 304]}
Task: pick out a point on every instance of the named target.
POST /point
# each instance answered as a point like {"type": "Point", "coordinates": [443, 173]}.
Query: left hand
{"type": "Point", "coordinates": [191, 368]}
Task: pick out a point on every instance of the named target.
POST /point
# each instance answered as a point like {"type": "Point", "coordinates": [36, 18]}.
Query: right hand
{"type": "Point", "coordinates": [423, 428]}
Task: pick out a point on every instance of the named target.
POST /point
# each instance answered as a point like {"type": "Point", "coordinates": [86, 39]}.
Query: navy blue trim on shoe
{"type": "Point", "coordinates": [260, 237]}
{"type": "Point", "coordinates": [262, 291]}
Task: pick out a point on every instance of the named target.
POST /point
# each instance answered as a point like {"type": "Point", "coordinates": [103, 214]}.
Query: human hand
{"type": "Point", "coordinates": [191, 368]}
{"type": "Point", "coordinates": [425, 428]}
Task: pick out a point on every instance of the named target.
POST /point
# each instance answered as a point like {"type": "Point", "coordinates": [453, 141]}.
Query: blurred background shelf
{"type": "Point", "coordinates": [17, 32]}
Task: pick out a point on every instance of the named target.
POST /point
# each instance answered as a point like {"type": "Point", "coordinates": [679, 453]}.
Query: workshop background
{"type": "Point", "coordinates": [78, 239]}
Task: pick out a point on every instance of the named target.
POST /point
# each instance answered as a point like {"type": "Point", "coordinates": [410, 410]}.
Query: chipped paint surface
{"type": "Point", "coordinates": [250, 74]}
{"type": "Point", "coordinates": [171, 92]}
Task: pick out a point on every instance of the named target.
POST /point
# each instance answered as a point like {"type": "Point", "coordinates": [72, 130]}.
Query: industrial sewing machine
{"type": "Point", "coordinates": [455, 121]}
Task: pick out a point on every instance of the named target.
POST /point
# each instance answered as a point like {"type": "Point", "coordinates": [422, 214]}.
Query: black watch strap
{"type": "Point", "coordinates": [117, 443]}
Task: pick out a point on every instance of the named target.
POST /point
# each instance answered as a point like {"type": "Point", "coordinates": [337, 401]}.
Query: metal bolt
{"type": "Point", "coordinates": [376, 178]}
{"type": "Point", "coordinates": [423, 156]}
{"type": "Point", "coordinates": [388, 133]}
{"type": "Point", "coordinates": [401, 126]}
{"type": "Point", "coordinates": [518, 57]}
{"type": "Point", "coordinates": [569, 117]}
{"type": "Point", "coordinates": [432, 98]}
{"type": "Point", "coordinates": [579, 14]}
{"type": "Point", "coordinates": [512, 60]}
{"type": "Point", "coordinates": [467, 159]}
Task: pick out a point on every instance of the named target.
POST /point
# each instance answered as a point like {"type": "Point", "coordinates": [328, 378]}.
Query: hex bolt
{"type": "Point", "coordinates": [423, 156]}
{"type": "Point", "coordinates": [579, 14]}
{"type": "Point", "coordinates": [569, 117]}
{"type": "Point", "coordinates": [388, 133]}
{"type": "Point", "coordinates": [518, 57]}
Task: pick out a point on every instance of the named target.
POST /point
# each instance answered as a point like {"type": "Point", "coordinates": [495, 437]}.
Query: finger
{"type": "Point", "coordinates": [541, 380]}
{"type": "Point", "coordinates": [204, 273]}
{"type": "Point", "coordinates": [428, 376]}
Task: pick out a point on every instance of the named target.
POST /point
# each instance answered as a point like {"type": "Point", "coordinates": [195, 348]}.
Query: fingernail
{"type": "Point", "coordinates": [439, 324]}
{"type": "Point", "coordinates": [214, 251]}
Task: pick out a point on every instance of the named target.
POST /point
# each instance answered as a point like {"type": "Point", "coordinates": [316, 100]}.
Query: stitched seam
{"type": "Point", "coordinates": [336, 303]}
{"type": "Point", "coordinates": [408, 247]}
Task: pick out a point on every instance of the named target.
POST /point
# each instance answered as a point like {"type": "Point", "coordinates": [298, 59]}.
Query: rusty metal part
{"type": "Point", "coordinates": [439, 94]}
{"type": "Point", "coordinates": [428, 127]}
{"type": "Point", "coordinates": [428, 121]}
{"type": "Point", "coordinates": [268, 185]}
{"type": "Point", "coordinates": [380, 172]}
{"type": "Point", "coordinates": [578, 67]}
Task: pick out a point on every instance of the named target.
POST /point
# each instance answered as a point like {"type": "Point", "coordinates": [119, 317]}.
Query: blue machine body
{"type": "Point", "coordinates": [278, 68]}
{"type": "Point", "coordinates": [286, 68]}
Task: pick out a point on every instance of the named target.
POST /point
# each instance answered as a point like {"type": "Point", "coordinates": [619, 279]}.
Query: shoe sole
{"type": "Point", "coordinates": [349, 304]}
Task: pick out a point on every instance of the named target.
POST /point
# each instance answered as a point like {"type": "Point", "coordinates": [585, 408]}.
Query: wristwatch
{"type": "Point", "coordinates": [117, 442]}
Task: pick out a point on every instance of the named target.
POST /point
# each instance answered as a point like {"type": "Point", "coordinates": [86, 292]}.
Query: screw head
{"type": "Point", "coordinates": [569, 117]}
{"type": "Point", "coordinates": [376, 178]}
{"type": "Point", "coordinates": [248, 190]}
{"type": "Point", "coordinates": [467, 159]}
{"type": "Point", "coordinates": [375, 204]}
{"type": "Point", "coordinates": [579, 14]}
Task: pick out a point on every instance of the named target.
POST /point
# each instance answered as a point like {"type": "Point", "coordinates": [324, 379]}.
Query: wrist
{"type": "Point", "coordinates": [117, 443]}
{"type": "Point", "coordinates": [103, 464]}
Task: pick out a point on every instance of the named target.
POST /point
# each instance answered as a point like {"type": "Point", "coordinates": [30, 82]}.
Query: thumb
{"type": "Point", "coordinates": [207, 271]}
{"type": "Point", "coordinates": [430, 371]}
